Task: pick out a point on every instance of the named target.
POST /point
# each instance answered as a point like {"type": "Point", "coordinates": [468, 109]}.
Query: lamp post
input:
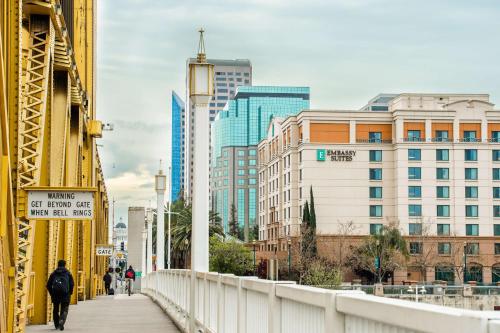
{"type": "Point", "coordinates": [289, 257]}
{"type": "Point", "coordinates": [186, 243]}
{"type": "Point", "coordinates": [144, 252]}
{"type": "Point", "coordinates": [254, 267]}
{"type": "Point", "coordinates": [149, 250]}
{"type": "Point", "coordinates": [160, 187]}
{"type": "Point", "coordinates": [465, 262]}
{"type": "Point", "coordinates": [201, 86]}
{"type": "Point", "coordinates": [169, 214]}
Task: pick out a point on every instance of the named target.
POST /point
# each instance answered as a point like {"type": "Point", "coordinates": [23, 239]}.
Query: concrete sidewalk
{"type": "Point", "coordinates": [120, 314]}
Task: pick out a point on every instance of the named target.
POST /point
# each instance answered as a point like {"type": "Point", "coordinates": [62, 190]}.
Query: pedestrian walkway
{"type": "Point", "coordinates": [119, 313]}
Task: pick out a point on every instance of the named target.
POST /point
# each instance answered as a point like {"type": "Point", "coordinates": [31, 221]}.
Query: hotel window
{"type": "Point", "coordinates": [414, 173]}
{"type": "Point", "coordinates": [415, 229]}
{"type": "Point", "coordinates": [496, 173]}
{"type": "Point", "coordinates": [375, 210]}
{"type": "Point", "coordinates": [444, 248]}
{"type": "Point", "coordinates": [472, 229]}
{"type": "Point", "coordinates": [443, 229]}
{"type": "Point", "coordinates": [252, 152]}
{"type": "Point", "coordinates": [471, 173]}
{"type": "Point", "coordinates": [414, 135]}
{"type": "Point", "coordinates": [376, 174]}
{"type": "Point", "coordinates": [375, 228]}
{"type": "Point", "coordinates": [496, 192]}
{"type": "Point", "coordinates": [442, 155]}
{"type": "Point", "coordinates": [471, 211]}
{"type": "Point", "coordinates": [241, 172]}
{"type": "Point", "coordinates": [443, 210]}
{"type": "Point", "coordinates": [241, 163]}
{"type": "Point", "coordinates": [252, 162]}
{"type": "Point", "coordinates": [496, 230]}
{"type": "Point", "coordinates": [226, 182]}
{"type": "Point", "coordinates": [252, 171]}
{"type": "Point", "coordinates": [497, 249]}
{"type": "Point", "coordinates": [442, 192]}
{"type": "Point", "coordinates": [415, 210]}
{"type": "Point", "coordinates": [471, 192]}
{"type": "Point", "coordinates": [414, 191]}
{"type": "Point", "coordinates": [375, 155]}
{"type": "Point", "coordinates": [441, 136]}
{"type": "Point", "coordinates": [241, 181]}
{"type": "Point", "coordinates": [471, 154]}
{"type": "Point", "coordinates": [375, 192]}
{"type": "Point", "coordinates": [225, 172]}
{"type": "Point", "coordinates": [225, 162]}
{"type": "Point", "coordinates": [495, 155]}
{"type": "Point", "coordinates": [415, 248]}
{"type": "Point", "coordinates": [442, 173]}
{"type": "Point", "coordinates": [472, 248]}
{"type": "Point", "coordinates": [469, 136]}
{"type": "Point", "coordinates": [375, 136]}
{"type": "Point", "coordinates": [241, 153]}
{"type": "Point", "coordinates": [414, 154]}
{"type": "Point", "coordinates": [252, 181]}
{"type": "Point", "coordinates": [495, 136]}
{"type": "Point", "coordinates": [496, 211]}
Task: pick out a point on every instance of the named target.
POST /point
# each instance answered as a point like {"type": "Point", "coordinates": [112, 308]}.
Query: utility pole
{"type": "Point", "coordinates": [160, 186]}
{"type": "Point", "coordinates": [169, 216]}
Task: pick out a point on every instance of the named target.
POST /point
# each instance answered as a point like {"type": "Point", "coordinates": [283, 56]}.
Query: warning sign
{"type": "Point", "coordinates": [60, 204]}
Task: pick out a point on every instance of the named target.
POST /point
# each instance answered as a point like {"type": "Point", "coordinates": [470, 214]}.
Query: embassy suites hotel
{"type": "Point", "coordinates": [428, 162]}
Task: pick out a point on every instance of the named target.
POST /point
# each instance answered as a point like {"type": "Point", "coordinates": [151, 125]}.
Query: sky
{"type": "Point", "coordinates": [346, 51]}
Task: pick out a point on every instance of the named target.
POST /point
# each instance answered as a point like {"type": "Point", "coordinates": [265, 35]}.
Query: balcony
{"type": "Point", "coordinates": [494, 140]}
{"type": "Point", "coordinates": [441, 139]}
{"type": "Point", "coordinates": [373, 141]}
{"type": "Point", "coordinates": [469, 140]}
{"type": "Point", "coordinates": [412, 139]}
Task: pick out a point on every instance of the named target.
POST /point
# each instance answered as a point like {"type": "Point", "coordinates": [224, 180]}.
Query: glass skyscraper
{"type": "Point", "coordinates": [178, 146]}
{"type": "Point", "coordinates": [236, 132]}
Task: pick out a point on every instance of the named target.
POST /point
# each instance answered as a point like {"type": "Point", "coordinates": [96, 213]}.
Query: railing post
{"type": "Point", "coordinates": [206, 300]}
{"type": "Point", "coordinates": [274, 310]}
{"type": "Point", "coordinates": [334, 319]}
{"type": "Point", "coordinates": [220, 305]}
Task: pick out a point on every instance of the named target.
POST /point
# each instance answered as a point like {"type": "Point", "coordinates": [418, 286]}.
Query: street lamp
{"type": "Point", "coordinates": [465, 262]}
{"type": "Point", "coordinates": [160, 187]}
{"type": "Point", "coordinates": [186, 242]}
{"type": "Point", "coordinates": [289, 258]}
{"type": "Point", "coordinates": [254, 267]}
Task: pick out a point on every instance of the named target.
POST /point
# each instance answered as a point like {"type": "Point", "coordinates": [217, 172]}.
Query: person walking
{"type": "Point", "coordinates": [130, 277]}
{"type": "Point", "coordinates": [60, 287]}
{"type": "Point", "coordinates": [107, 282]}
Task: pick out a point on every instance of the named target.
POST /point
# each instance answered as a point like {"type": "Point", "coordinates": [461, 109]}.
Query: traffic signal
{"type": "Point", "coordinates": [118, 270]}
{"type": "Point", "coordinates": [122, 246]}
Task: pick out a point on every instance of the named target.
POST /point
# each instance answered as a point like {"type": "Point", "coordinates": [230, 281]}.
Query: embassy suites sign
{"type": "Point", "coordinates": [335, 155]}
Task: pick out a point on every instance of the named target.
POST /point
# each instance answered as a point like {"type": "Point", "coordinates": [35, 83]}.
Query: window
{"type": "Point", "coordinates": [495, 155]}
{"type": "Point", "coordinates": [415, 248]}
{"type": "Point", "coordinates": [471, 192]}
{"type": "Point", "coordinates": [413, 135]}
{"type": "Point", "coordinates": [241, 172]}
{"type": "Point", "coordinates": [444, 248]}
{"type": "Point", "coordinates": [241, 153]}
{"type": "Point", "coordinates": [472, 229]}
{"type": "Point", "coordinates": [252, 162]}
{"type": "Point", "coordinates": [375, 192]}
{"type": "Point", "coordinates": [225, 162]}
{"type": "Point", "coordinates": [472, 248]}
{"type": "Point", "coordinates": [495, 136]}
{"type": "Point", "coordinates": [415, 210]}
{"type": "Point", "coordinates": [252, 181]}
{"type": "Point", "coordinates": [252, 171]}
{"type": "Point", "coordinates": [415, 228]}
{"type": "Point", "coordinates": [241, 163]}
{"type": "Point", "coordinates": [443, 192]}
{"type": "Point", "coordinates": [469, 136]}
{"type": "Point", "coordinates": [471, 173]}
{"type": "Point", "coordinates": [496, 192]}
{"type": "Point", "coordinates": [442, 173]}
{"type": "Point", "coordinates": [496, 173]}
{"type": "Point", "coordinates": [496, 229]}
{"type": "Point", "coordinates": [375, 155]}
{"type": "Point", "coordinates": [443, 229]}
{"type": "Point", "coordinates": [441, 136]}
{"type": "Point", "coordinates": [443, 210]}
{"type": "Point", "coordinates": [252, 152]}
{"type": "Point", "coordinates": [226, 182]}
{"type": "Point", "coordinates": [497, 248]}
{"type": "Point", "coordinates": [414, 154]}
{"type": "Point", "coordinates": [442, 154]}
{"type": "Point", "coordinates": [241, 181]}
{"type": "Point", "coordinates": [375, 210]}
{"type": "Point", "coordinates": [375, 228]}
{"type": "Point", "coordinates": [496, 211]}
{"type": "Point", "coordinates": [471, 210]}
{"type": "Point", "coordinates": [375, 174]}
{"type": "Point", "coordinates": [471, 154]}
{"type": "Point", "coordinates": [375, 136]}
{"type": "Point", "coordinates": [414, 191]}
{"type": "Point", "coordinates": [414, 173]}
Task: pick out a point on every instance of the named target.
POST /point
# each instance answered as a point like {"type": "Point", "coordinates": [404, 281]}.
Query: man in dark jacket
{"type": "Point", "coordinates": [60, 287]}
{"type": "Point", "coordinates": [129, 278]}
{"type": "Point", "coordinates": [107, 282]}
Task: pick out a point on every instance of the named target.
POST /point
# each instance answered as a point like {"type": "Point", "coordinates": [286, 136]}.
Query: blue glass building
{"type": "Point", "coordinates": [178, 147]}
{"type": "Point", "coordinates": [236, 132]}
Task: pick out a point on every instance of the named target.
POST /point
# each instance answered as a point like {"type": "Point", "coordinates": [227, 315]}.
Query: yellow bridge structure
{"type": "Point", "coordinates": [48, 139]}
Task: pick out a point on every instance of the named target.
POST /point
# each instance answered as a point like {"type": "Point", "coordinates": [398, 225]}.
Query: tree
{"type": "Point", "coordinates": [230, 257]}
{"type": "Point", "coordinates": [233, 222]}
{"type": "Point", "coordinates": [322, 272]}
{"type": "Point", "coordinates": [312, 211]}
{"type": "Point", "coordinates": [421, 261]}
{"type": "Point", "coordinates": [344, 233]}
{"type": "Point", "coordinates": [380, 254]}
{"type": "Point", "coordinates": [254, 232]}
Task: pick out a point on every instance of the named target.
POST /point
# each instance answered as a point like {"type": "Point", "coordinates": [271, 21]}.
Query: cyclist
{"type": "Point", "coordinates": [129, 276]}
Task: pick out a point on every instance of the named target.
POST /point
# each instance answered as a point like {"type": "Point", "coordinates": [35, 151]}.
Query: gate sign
{"type": "Point", "coordinates": [104, 250]}
{"type": "Point", "coordinates": [60, 203]}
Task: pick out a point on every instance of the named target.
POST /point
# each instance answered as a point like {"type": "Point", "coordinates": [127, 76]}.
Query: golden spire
{"type": "Point", "coordinates": [201, 48]}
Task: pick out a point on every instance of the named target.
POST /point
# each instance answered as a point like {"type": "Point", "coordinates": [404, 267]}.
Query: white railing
{"type": "Point", "coordinates": [226, 303]}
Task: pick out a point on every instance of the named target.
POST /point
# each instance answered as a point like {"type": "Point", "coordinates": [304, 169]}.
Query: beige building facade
{"type": "Point", "coordinates": [429, 162]}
